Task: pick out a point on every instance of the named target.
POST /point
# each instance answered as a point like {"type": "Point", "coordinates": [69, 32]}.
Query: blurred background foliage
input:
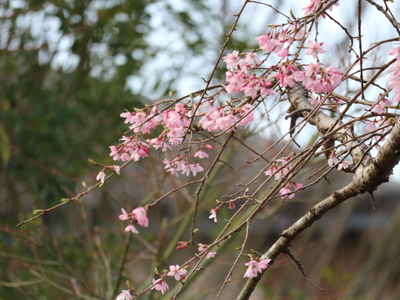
{"type": "Point", "coordinates": [67, 70]}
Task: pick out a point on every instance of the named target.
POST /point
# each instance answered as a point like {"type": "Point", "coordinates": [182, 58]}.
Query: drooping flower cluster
{"type": "Point", "coordinates": [177, 272]}
{"type": "Point", "coordinates": [334, 161]}
{"type": "Point", "coordinates": [101, 176]}
{"type": "Point", "coordinates": [316, 77]}
{"type": "Point", "coordinates": [124, 295]}
{"type": "Point", "coordinates": [175, 123]}
{"type": "Point", "coordinates": [209, 254]}
{"type": "Point", "coordinates": [255, 266]}
{"type": "Point", "coordinates": [316, 5]}
{"type": "Point", "coordinates": [138, 214]}
{"type": "Point", "coordinates": [279, 170]}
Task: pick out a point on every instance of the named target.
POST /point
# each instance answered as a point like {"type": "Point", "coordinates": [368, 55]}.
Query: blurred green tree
{"type": "Point", "coordinates": [64, 71]}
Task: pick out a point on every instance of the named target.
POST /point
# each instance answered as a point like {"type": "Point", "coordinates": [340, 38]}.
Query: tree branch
{"type": "Point", "coordinates": [366, 179]}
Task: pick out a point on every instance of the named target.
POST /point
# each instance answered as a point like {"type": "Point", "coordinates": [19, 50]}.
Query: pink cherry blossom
{"type": "Point", "coordinates": [160, 285]}
{"type": "Point", "coordinates": [213, 214]}
{"type": "Point", "coordinates": [251, 59]}
{"type": "Point", "coordinates": [231, 60]}
{"type": "Point", "coordinates": [314, 49]}
{"type": "Point", "coordinates": [297, 186]}
{"type": "Point", "coordinates": [176, 272]}
{"type": "Point", "coordinates": [194, 168]}
{"type": "Point", "coordinates": [395, 51]}
{"type": "Point", "coordinates": [210, 254]}
{"type": "Point", "coordinates": [245, 114]}
{"type": "Point", "coordinates": [132, 228]}
{"type": "Point", "coordinates": [266, 43]}
{"type": "Point", "coordinates": [140, 216]}
{"type": "Point", "coordinates": [201, 154]}
{"type": "Point", "coordinates": [286, 192]}
{"type": "Point", "coordinates": [256, 266]}
{"type": "Point", "coordinates": [124, 215]}
{"type": "Point", "coordinates": [344, 165]}
{"type": "Point", "coordinates": [381, 106]}
{"type": "Point", "coordinates": [125, 295]}
{"type": "Point", "coordinates": [101, 177]}
{"type": "Point", "coordinates": [332, 161]}
{"type": "Point", "coordinates": [116, 169]}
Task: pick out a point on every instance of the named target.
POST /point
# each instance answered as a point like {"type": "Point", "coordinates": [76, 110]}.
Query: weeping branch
{"type": "Point", "coordinates": [370, 174]}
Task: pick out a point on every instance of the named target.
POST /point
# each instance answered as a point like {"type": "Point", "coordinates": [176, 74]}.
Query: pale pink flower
{"type": "Point", "coordinates": [210, 254]}
{"type": "Point", "coordinates": [176, 272]}
{"type": "Point", "coordinates": [231, 59]}
{"type": "Point", "coordinates": [256, 266]}
{"type": "Point", "coordinates": [285, 191]}
{"type": "Point", "coordinates": [140, 216]}
{"type": "Point", "coordinates": [125, 295]}
{"type": "Point", "coordinates": [266, 43]}
{"type": "Point", "coordinates": [124, 215]}
{"type": "Point", "coordinates": [194, 168]}
{"type": "Point", "coordinates": [170, 166]}
{"type": "Point", "coordinates": [271, 170]}
{"type": "Point", "coordinates": [371, 126]}
{"type": "Point", "coordinates": [160, 285]}
{"type": "Point", "coordinates": [101, 177]}
{"type": "Point", "coordinates": [381, 106]}
{"type": "Point", "coordinates": [160, 143]}
{"type": "Point", "coordinates": [246, 114]}
{"type": "Point", "coordinates": [114, 152]}
{"type": "Point", "coordinates": [226, 123]}
{"type": "Point", "coordinates": [297, 186]}
{"type": "Point", "coordinates": [314, 49]}
{"type": "Point", "coordinates": [132, 228]}
{"type": "Point", "coordinates": [395, 51]}
{"type": "Point", "coordinates": [251, 269]}
{"type": "Point", "coordinates": [213, 214]}
{"type": "Point", "coordinates": [283, 53]}
{"type": "Point", "coordinates": [201, 154]}
{"type": "Point", "coordinates": [332, 160]}
{"type": "Point", "coordinates": [128, 117]}
{"type": "Point", "coordinates": [116, 169]}
{"type": "Point", "coordinates": [344, 165]}
{"type": "Point", "coordinates": [252, 59]}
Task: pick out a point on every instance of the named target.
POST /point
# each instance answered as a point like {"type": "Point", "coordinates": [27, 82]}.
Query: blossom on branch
{"type": "Point", "coordinates": [213, 214]}
{"type": "Point", "coordinates": [314, 49]}
{"type": "Point", "coordinates": [255, 266]}
{"type": "Point", "coordinates": [125, 295]}
{"type": "Point", "coordinates": [176, 272]}
{"type": "Point", "coordinates": [101, 177]}
{"type": "Point", "coordinates": [160, 285]}
{"type": "Point", "coordinates": [138, 215]}
{"type": "Point", "coordinates": [210, 254]}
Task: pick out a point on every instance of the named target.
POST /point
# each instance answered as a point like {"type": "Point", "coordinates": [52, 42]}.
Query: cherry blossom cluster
{"type": "Point", "coordinates": [175, 123]}
{"type": "Point", "coordinates": [380, 124]}
{"type": "Point", "coordinates": [315, 77]}
{"type": "Point", "coordinates": [138, 215]}
{"type": "Point", "coordinates": [160, 284]}
{"type": "Point", "coordinates": [280, 169]}
{"type": "Point", "coordinates": [318, 4]}
{"type": "Point", "coordinates": [333, 161]}
{"type": "Point", "coordinates": [255, 266]}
